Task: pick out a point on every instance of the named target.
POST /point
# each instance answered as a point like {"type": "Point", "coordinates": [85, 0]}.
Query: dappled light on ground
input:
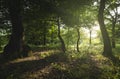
{"type": "Point", "coordinates": [53, 64]}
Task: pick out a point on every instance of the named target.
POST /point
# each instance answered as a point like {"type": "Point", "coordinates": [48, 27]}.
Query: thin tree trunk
{"type": "Point", "coordinates": [44, 36]}
{"type": "Point", "coordinates": [113, 35]}
{"type": "Point", "coordinates": [68, 40]}
{"type": "Point", "coordinates": [113, 28]}
{"type": "Point", "coordinates": [107, 46]}
{"type": "Point", "coordinates": [60, 38]}
{"type": "Point", "coordinates": [90, 41]}
{"type": "Point", "coordinates": [113, 21]}
{"type": "Point", "coordinates": [78, 40]}
{"type": "Point", "coordinates": [52, 36]}
{"type": "Point", "coordinates": [15, 44]}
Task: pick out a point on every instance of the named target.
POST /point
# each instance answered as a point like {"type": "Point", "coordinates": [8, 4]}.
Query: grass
{"type": "Point", "coordinates": [53, 64]}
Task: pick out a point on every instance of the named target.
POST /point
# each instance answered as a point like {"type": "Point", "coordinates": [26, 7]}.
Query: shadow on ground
{"type": "Point", "coordinates": [54, 66]}
{"type": "Point", "coordinates": [16, 70]}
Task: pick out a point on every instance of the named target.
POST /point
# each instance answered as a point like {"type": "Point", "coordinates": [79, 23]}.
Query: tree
{"type": "Point", "coordinates": [112, 16]}
{"type": "Point", "coordinates": [89, 21]}
{"type": "Point", "coordinates": [40, 9]}
{"type": "Point", "coordinates": [59, 36]}
{"type": "Point", "coordinates": [15, 44]}
{"type": "Point", "coordinates": [107, 45]}
{"type": "Point", "coordinates": [78, 40]}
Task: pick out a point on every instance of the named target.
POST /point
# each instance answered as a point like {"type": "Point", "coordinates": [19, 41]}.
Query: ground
{"type": "Point", "coordinates": [53, 64]}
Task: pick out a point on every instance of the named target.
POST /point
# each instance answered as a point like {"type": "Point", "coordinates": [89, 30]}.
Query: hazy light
{"type": "Point", "coordinates": [118, 10]}
{"type": "Point", "coordinates": [94, 30]}
{"type": "Point", "coordinates": [95, 3]}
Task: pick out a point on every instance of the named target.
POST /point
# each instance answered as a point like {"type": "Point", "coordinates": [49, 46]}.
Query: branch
{"type": "Point", "coordinates": [108, 19]}
{"type": "Point", "coordinates": [110, 14]}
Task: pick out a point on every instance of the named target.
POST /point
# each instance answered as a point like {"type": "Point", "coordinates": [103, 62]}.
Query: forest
{"type": "Point", "coordinates": [59, 39]}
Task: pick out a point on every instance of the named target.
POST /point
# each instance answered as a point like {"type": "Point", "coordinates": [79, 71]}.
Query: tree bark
{"type": "Point", "coordinates": [78, 40]}
{"type": "Point", "coordinates": [15, 44]}
{"type": "Point", "coordinates": [60, 38]}
{"type": "Point", "coordinates": [107, 45]}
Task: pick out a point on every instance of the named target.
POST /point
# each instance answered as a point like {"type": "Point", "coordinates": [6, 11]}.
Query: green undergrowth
{"type": "Point", "coordinates": [54, 64]}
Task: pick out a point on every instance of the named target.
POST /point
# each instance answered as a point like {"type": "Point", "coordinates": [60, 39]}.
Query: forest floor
{"type": "Point", "coordinates": [52, 64]}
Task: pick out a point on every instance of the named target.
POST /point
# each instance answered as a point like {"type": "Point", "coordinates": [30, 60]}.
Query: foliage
{"type": "Point", "coordinates": [39, 18]}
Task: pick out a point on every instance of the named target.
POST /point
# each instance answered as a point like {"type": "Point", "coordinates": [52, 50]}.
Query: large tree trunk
{"type": "Point", "coordinates": [107, 46]}
{"type": "Point", "coordinates": [15, 44]}
{"type": "Point", "coordinates": [78, 40]}
{"type": "Point", "coordinates": [59, 36]}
